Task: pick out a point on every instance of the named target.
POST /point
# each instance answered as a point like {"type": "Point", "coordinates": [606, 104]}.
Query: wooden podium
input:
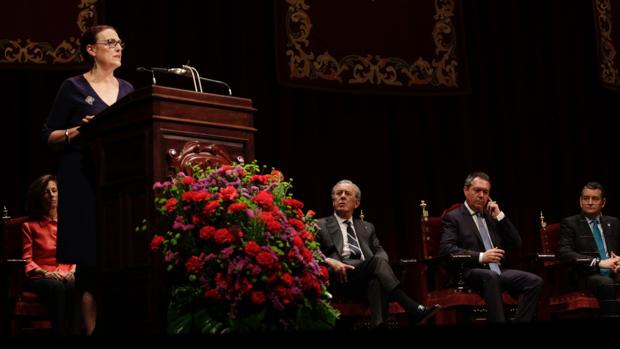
{"type": "Point", "coordinates": [130, 142]}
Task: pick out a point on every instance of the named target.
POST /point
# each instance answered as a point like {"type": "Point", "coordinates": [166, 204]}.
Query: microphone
{"type": "Point", "coordinates": [187, 72]}
{"type": "Point", "coordinates": [145, 70]}
{"type": "Point", "coordinates": [177, 71]}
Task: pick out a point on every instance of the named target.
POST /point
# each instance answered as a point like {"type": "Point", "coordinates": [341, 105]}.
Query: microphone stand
{"type": "Point", "coordinates": [195, 77]}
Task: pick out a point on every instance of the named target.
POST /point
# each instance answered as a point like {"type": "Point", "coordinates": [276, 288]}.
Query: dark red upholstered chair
{"type": "Point", "coordinates": [564, 301]}
{"type": "Point", "coordinates": [22, 311]}
{"type": "Point", "coordinates": [459, 303]}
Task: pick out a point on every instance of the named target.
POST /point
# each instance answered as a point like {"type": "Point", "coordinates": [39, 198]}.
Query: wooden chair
{"type": "Point", "coordinates": [564, 300]}
{"type": "Point", "coordinates": [459, 303]}
{"type": "Point", "coordinates": [23, 312]}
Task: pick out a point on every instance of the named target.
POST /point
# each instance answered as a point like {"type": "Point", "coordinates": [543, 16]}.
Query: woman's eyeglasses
{"type": "Point", "coordinates": [111, 43]}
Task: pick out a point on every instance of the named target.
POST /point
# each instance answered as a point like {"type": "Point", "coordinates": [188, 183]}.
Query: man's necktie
{"type": "Point", "coordinates": [354, 246]}
{"type": "Point", "coordinates": [598, 238]}
{"type": "Point", "coordinates": [486, 240]}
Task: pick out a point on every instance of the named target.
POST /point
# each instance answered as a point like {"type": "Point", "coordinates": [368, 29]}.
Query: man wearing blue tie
{"type": "Point", "coordinates": [593, 236]}
{"type": "Point", "coordinates": [358, 264]}
{"type": "Point", "coordinates": [480, 229]}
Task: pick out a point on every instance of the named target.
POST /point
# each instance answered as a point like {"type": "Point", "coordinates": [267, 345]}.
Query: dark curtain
{"type": "Point", "coordinates": [537, 119]}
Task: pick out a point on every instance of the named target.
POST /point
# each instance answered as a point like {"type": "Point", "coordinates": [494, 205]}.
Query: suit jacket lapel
{"type": "Point", "coordinates": [334, 230]}
{"type": "Point", "coordinates": [469, 222]}
{"type": "Point", "coordinates": [587, 231]}
{"type": "Point", "coordinates": [362, 237]}
{"type": "Point", "coordinates": [607, 232]}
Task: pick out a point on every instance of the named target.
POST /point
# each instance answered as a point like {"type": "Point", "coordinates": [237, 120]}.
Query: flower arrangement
{"type": "Point", "coordinates": [240, 252]}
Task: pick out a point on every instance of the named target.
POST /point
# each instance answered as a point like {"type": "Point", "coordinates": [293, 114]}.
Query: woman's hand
{"type": "Point", "coordinates": [70, 276]}
{"type": "Point", "coordinates": [85, 120]}
{"type": "Point", "coordinates": [54, 275]}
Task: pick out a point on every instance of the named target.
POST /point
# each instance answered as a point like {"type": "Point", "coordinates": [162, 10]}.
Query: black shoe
{"type": "Point", "coordinates": [426, 313]}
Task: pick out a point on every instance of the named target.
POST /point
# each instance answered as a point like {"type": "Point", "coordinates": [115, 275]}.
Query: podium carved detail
{"type": "Point", "coordinates": [196, 153]}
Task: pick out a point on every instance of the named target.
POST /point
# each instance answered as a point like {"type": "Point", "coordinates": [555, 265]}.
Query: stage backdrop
{"type": "Point", "coordinates": [387, 46]}
{"type": "Point", "coordinates": [28, 37]}
{"type": "Point", "coordinates": [607, 18]}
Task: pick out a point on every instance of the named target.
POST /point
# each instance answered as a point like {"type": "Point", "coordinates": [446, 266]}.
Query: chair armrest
{"type": "Point", "coordinates": [545, 257]}
{"type": "Point", "coordinates": [407, 261]}
{"type": "Point", "coordinates": [582, 261]}
{"type": "Point", "coordinates": [461, 258]}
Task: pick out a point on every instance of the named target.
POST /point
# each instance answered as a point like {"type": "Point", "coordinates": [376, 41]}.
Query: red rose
{"type": "Point", "coordinates": [236, 207]}
{"type": "Point", "coordinates": [258, 297]}
{"type": "Point", "coordinates": [259, 178]}
{"type": "Point", "coordinates": [307, 254]}
{"type": "Point", "coordinates": [324, 272]}
{"type": "Point", "coordinates": [251, 248]}
{"type": "Point", "coordinates": [193, 264]}
{"type": "Point", "coordinates": [265, 258]}
{"type": "Point", "coordinates": [264, 199]}
{"type": "Point", "coordinates": [223, 236]}
{"type": "Point", "coordinates": [210, 208]}
{"type": "Point", "coordinates": [298, 242]}
{"type": "Point", "coordinates": [212, 294]}
{"type": "Point", "coordinates": [271, 223]}
{"type": "Point", "coordinates": [188, 180]}
{"type": "Point", "coordinates": [287, 279]}
{"type": "Point", "coordinates": [207, 232]}
{"type": "Point", "coordinates": [307, 236]}
{"type": "Point", "coordinates": [294, 204]}
{"type": "Point", "coordinates": [296, 223]}
{"type": "Point", "coordinates": [277, 175]}
{"type": "Point", "coordinates": [229, 193]}
{"type": "Point", "coordinates": [156, 242]}
{"type": "Point", "coordinates": [171, 205]}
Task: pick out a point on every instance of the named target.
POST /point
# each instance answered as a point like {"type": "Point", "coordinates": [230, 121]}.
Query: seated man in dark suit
{"type": "Point", "coordinates": [595, 237]}
{"type": "Point", "coordinates": [479, 228]}
{"type": "Point", "coordinates": [357, 262]}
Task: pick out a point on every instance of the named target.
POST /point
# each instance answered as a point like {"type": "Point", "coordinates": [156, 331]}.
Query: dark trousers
{"type": "Point", "coordinates": [604, 289]}
{"type": "Point", "coordinates": [526, 286]}
{"type": "Point", "coordinates": [372, 279]}
{"type": "Point", "coordinates": [61, 301]}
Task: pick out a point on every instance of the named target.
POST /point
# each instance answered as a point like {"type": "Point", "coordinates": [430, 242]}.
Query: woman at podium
{"type": "Point", "coordinates": [77, 101]}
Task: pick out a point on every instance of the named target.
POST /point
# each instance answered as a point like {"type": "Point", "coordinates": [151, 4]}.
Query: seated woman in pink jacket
{"type": "Point", "coordinates": [52, 281]}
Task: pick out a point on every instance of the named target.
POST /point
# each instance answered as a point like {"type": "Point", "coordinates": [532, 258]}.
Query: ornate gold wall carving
{"type": "Point", "coordinates": [607, 49]}
{"type": "Point", "coordinates": [372, 69]}
{"type": "Point", "coordinates": [27, 51]}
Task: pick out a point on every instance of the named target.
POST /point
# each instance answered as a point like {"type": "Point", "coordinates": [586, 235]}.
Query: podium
{"type": "Point", "coordinates": [130, 142]}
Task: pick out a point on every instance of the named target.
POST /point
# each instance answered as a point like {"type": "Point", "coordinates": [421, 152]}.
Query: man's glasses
{"type": "Point", "coordinates": [111, 43]}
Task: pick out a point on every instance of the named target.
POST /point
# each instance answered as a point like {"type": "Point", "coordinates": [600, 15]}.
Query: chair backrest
{"type": "Point", "coordinates": [12, 236]}
{"type": "Point", "coordinates": [549, 236]}
{"type": "Point", "coordinates": [431, 230]}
